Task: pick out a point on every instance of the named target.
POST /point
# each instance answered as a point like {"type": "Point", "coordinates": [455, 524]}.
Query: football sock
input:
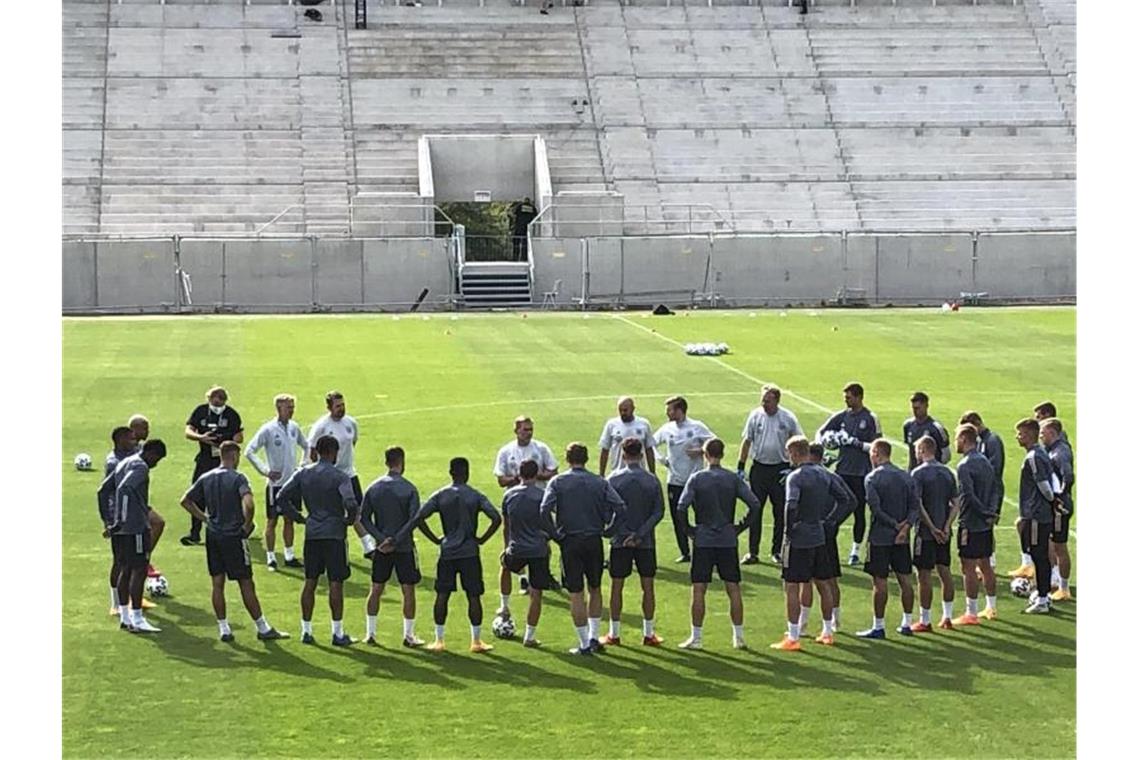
{"type": "Point", "coordinates": [475, 631]}
{"type": "Point", "coordinates": [615, 628]}
{"type": "Point", "coordinates": [696, 633]}
{"type": "Point", "coordinates": [1026, 559]}
{"type": "Point", "coordinates": [594, 624]}
{"type": "Point", "coordinates": [793, 631]}
{"type": "Point", "coordinates": [993, 560]}
{"type": "Point", "coordinates": [270, 557]}
{"type": "Point", "coordinates": [804, 613]}
{"type": "Point", "coordinates": [114, 596]}
{"type": "Point", "coordinates": [948, 610]}
{"type": "Point", "coordinates": [991, 603]}
{"type": "Point", "coordinates": [124, 614]}
{"type": "Point", "coordinates": [338, 627]}
{"type": "Point", "coordinates": [409, 627]}
{"type": "Point", "coordinates": [224, 626]}
{"type": "Point", "coordinates": [647, 627]}
{"type": "Point", "coordinates": [972, 605]}
{"type": "Point", "coordinates": [307, 627]}
{"type": "Point", "coordinates": [136, 616]}
{"type": "Point", "coordinates": [906, 620]}
{"type": "Point", "coordinates": [370, 625]}
{"type": "Point", "coordinates": [439, 632]}
{"type": "Point", "coordinates": [854, 548]}
{"type": "Point", "coordinates": [262, 624]}
{"type": "Point", "coordinates": [289, 553]}
{"type": "Point", "coordinates": [878, 625]}
{"type": "Point", "coordinates": [1064, 584]}
{"type": "Point", "coordinates": [1055, 576]}
{"type": "Point", "coordinates": [738, 632]}
{"type": "Point", "coordinates": [583, 635]}
{"type": "Point", "coordinates": [923, 615]}
{"type": "Point", "coordinates": [827, 628]}
{"type": "Point", "coordinates": [529, 635]}
{"type": "Point", "coordinates": [504, 601]}
{"type": "Point", "coordinates": [835, 615]}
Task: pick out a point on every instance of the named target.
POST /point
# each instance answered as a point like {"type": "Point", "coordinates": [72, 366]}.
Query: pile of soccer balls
{"type": "Point", "coordinates": [503, 627]}
{"type": "Point", "coordinates": [706, 349]}
{"type": "Point", "coordinates": [157, 586]}
{"type": "Point", "coordinates": [837, 439]}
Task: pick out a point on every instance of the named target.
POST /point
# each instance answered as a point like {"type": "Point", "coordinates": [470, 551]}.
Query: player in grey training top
{"type": "Point", "coordinates": [923, 424]}
{"type": "Point", "coordinates": [458, 506]}
{"type": "Point", "coordinates": [712, 493]}
{"type": "Point", "coordinates": [938, 507]}
{"type": "Point", "coordinates": [1036, 498]}
{"type": "Point", "coordinates": [992, 448]}
{"type": "Point", "coordinates": [127, 523]}
{"type": "Point", "coordinates": [330, 501]}
{"type": "Point", "coordinates": [528, 533]}
{"type": "Point", "coordinates": [221, 498]}
{"type": "Point", "coordinates": [123, 445]}
{"type": "Point", "coordinates": [893, 500]}
{"type": "Point", "coordinates": [858, 427]}
{"type": "Point", "coordinates": [584, 507]}
{"type": "Point", "coordinates": [633, 542]}
{"type": "Point", "coordinates": [831, 523]}
{"type": "Point", "coordinates": [390, 501]}
{"type": "Point", "coordinates": [978, 502]}
{"type": "Point", "coordinates": [1061, 457]}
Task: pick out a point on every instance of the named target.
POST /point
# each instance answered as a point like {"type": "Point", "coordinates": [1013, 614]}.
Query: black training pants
{"type": "Point", "coordinates": [764, 479]}
{"type": "Point", "coordinates": [855, 483]}
{"type": "Point", "coordinates": [678, 520]}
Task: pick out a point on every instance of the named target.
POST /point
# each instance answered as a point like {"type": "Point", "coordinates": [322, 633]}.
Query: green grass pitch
{"type": "Point", "coordinates": [443, 386]}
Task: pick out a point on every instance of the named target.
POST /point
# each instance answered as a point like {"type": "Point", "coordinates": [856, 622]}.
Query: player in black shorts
{"type": "Point", "coordinates": [979, 500]}
{"type": "Point", "coordinates": [223, 501]}
{"type": "Point", "coordinates": [528, 535]}
{"type": "Point", "coordinates": [633, 542]}
{"type": "Point", "coordinates": [458, 506]}
{"type": "Point", "coordinates": [831, 525]}
{"type": "Point", "coordinates": [893, 500]}
{"type": "Point", "coordinates": [938, 508]}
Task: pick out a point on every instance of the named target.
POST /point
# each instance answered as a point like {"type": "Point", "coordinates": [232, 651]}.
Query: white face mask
{"type": "Point", "coordinates": [217, 409]}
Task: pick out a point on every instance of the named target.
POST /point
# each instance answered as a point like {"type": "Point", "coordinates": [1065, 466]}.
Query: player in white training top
{"type": "Point", "coordinates": [616, 430]}
{"type": "Point", "coordinates": [280, 437]}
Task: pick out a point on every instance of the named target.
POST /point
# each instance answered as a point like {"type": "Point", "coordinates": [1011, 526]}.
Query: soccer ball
{"type": "Point", "coordinates": [1020, 587]}
{"type": "Point", "coordinates": [503, 627]}
{"type": "Point", "coordinates": [157, 586]}
{"type": "Point", "coordinates": [83, 462]}
{"type": "Point", "coordinates": [829, 441]}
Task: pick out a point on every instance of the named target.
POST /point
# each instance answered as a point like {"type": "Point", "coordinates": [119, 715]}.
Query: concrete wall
{"type": "Point", "coordinates": [796, 269]}
{"type": "Point", "coordinates": [501, 164]}
{"type": "Point", "coordinates": [1027, 265]}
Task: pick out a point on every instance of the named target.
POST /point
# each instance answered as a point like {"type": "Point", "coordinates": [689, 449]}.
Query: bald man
{"type": "Point", "coordinates": [616, 430]}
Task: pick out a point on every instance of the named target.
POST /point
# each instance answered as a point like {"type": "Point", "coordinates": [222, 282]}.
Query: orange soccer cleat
{"type": "Point", "coordinates": [478, 647]}
{"type": "Point", "coordinates": [966, 619]}
{"type": "Point", "coordinates": [946, 624]}
{"type": "Point", "coordinates": [786, 644]}
{"type": "Point", "coordinates": [652, 640]}
{"type": "Point", "coordinates": [436, 646]}
{"type": "Point", "coordinates": [921, 628]}
{"type": "Point", "coordinates": [611, 641]}
{"type": "Point", "coordinates": [826, 639]}
{"type": "Point", "coordinates": [989, 613]}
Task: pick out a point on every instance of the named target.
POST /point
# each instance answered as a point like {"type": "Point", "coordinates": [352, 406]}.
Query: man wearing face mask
{"type": "Point", "coordinates": [209, 425]}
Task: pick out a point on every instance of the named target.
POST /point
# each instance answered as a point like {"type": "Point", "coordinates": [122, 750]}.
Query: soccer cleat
{"type": "Point", "coordinates": [750, 559]}
{"type": "Point", "coordinates": [946, 624]}
{"type": "Point", "coordinates": [227, 637]}
{"type": "Point", "coordinates": [436, 646]}
{"type": "Point", "coordinates": [478, 647]}
{"type": "Point", "coordinates": [412, 642]}
{"type": "Point", "coordinates": [596, 646]}
{"type": "Point", "coordinates": [371, 641]}
{"type": "Point", "coordinates": [504, 613]}
{"type": "Point", "coordinates": [1040, 607]}
{"type": "Point", "coordinates": [611, 641]}
{"type": "Point", "coordinates": [294, 563]}
{"type": "Point", "coordinates": [652, 640]}
{"type": "Point", "coordinates": [532, 643]}
{"type": "Point", "coordinates": [581, 651]}
{"type": "Point", "coordinates": [1060, 595]}
{"type": "Point", "coordinates": [148, 604]}
{"type": "Point", "coordinates": [690, 643]}
{"type": "Point", "coordinates": [152, 571]}
{"type": "Point", "coordinates": [776, 560]}
{"type": "Point", "coordinates": [786, 644]}
{"type": "Point", "coordinates": [682, 559]}
{"type": "Point", "coordinates": [853, 560]}
{"type": "Point", "coordinates": [123, 626]}
{"type": "Point", "coordinates": [145, 627]}
{"type": "Point", "coordinates": [826, 639]}
{"type": "Point", "coordinates": [1025, 571]}
{"type": "Point", "coordinates": [343, 641]}
{"type": "Point", "coordinates": [967, 619]}
{"type": "Point", "coordinates": [189, 540]}
{"type": "Point", "coordinates": [872, 633]}
{"type": "Point", "coordinates": [989, 613]}
{"type": "Point", "coordinates": [921, 628]}
{"type": "Point", "coordinates": [905, 630]}
{"type": "Point", "coordinates": [271, 635]}
{"type": "Point", "coordinates": [272, 565]}
{"type": "Point", "coordinates": [739, 644]}
{"type": "Point", "coordinates": [115, 611]}
{"type": "Point", "coordinates": [307, 638]}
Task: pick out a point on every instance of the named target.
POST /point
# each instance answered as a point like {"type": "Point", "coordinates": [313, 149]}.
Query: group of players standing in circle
{"type": "Point", "coordinates": [623, 502]}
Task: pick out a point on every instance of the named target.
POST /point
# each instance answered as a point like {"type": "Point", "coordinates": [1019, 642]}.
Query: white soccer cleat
{"type": "Point", "coordinates": [690, 643]}
{"type": "Point", "coordinates": [145, 627]}
{"type": "Point", "coordinates": [739, 644]}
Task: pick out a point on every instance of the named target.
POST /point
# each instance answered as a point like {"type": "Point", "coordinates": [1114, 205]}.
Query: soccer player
{"type": "Point", "coordinates": [584, 506]}
{"type": "Point", "coordinates": [938, 508]}
{"type": "Point", "coordinates": [126, 492]}
{"type": "Point", "coordinates": [861, 426]}
{"type": "Point", "coordinates": [528, 534]}
{"type": "Point", "coordinates": [1061, 457]}
{"type": "Point", "coordinates": [712, 493]}
{"type": "Point", "coordinates": [1035, 509]}
{"type": "Point", "coordinates": [893, 499]}
{"type": "Point", "coordinates": [813, 494]}
{"type": "Point", "coordinates": [506, 470]}
{"type": "Point", "coordinates": [990, 445]}
{"type": "Point", "coordinates": [280, 437]}
{"type": "Point", "coordinates": [208, 425]}
{"type": "Point", "coordinates": [222, 499]}
{"type": "Point", "coordinates": [330, 502]}
{"type": "Point", "coordinates": [766, 433]}
{"type": "Point", "coordinates": [389, 503]}
{"type": "Point", "coordinates": [683, 439]}
{"type": "Point", "coordinates": [633, 541]}
{"type": "Point", "coordinates": [122, 446]}
{"type": "Point", "coordinates": [458, 506]}
{"type": "Point", "coordinates": [923, 424]}
{"type": "Point", "coordinates": [977, 497]}
{"type": "Point", "coordinates": [616, 430]}
{"type": "Point", "coordinates": [831, 523]}
{"type": "Point", "coordinates": [140, 429]}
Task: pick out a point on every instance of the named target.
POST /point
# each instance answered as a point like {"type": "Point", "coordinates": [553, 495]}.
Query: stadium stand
{"type": "Point", "coordinates": [196, 117]}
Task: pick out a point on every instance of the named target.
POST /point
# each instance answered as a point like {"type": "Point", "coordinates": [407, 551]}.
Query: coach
{"type": "Point", "coordinates": [210, 424]}
{"type": "Point", "coordinates": [766, 433]}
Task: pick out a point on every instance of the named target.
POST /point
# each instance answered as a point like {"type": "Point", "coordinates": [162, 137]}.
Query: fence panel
{"type": "Point", "coordinates": [340, 272]}
{"type": "Point", "coordinates": [922, 268]}
{"type": "Point", "coordinates": [396, 270]}
{"type": "Point", "coordinates": [135, 274]}
{"type": "Point", "coordinates": [268, 273]}
{"type": "Point", "coordinates": [557, 259]}
{"type": "Point", "coordinates": [1028, 265]}
{"type": "Point", "coordinates": [662, 264]}
{"type": "Point", "coordinates": [79, 287]}
{"type": "Point", "coordinates": [792, 269]}
{"type": "Point", "coordinates": [202, 261]}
